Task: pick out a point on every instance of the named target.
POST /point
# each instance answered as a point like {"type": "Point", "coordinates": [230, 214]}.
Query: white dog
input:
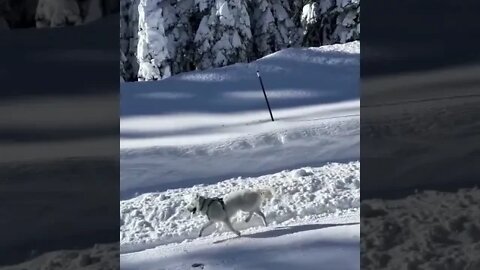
{"type": "Point", "coordinates": [221, 210]}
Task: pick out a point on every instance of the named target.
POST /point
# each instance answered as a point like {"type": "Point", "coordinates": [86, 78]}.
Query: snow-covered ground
{"type": "Point", "coordinates": [411, 128]}
{"type": "Point", "coordinates": [209, 132]}
{"type": "Point", "coordinates": [305, 246]}
{"type": "Point", "coordinates": [307, 193]}
{"type": "Point", "coordinates": [103, 256]}
{"type": "Point", "coordinates": [420, 146]}
{"type": "Point", "coordinates": [427, 230]}
{"type": "Point", "coordinates": [216, 124]}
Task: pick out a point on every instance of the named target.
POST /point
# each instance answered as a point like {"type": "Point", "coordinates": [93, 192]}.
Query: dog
{"type": "Point", "coordinates": [223, 209]}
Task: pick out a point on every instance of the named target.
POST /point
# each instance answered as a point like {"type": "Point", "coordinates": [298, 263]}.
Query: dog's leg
{"type": "Point", "coordinates": [249, 217]}
{"type": "Point", "coordinates": [229, 225]}
{"type": "Point", "coordinates": [204, 227]}
{"type": "Point", "coordinates": [259, 213]}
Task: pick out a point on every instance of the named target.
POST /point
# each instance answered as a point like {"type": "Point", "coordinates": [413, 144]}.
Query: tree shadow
{"type": "Point", "coordinates": [334, 75]}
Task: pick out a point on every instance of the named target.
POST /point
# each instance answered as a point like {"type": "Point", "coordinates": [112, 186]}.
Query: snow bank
{"type": "Point", "coordinates": [159, 218]}
{"type": "Point", "coordinates": [104, 256]}
{"type": "Point", "coordinates": [432, 230]}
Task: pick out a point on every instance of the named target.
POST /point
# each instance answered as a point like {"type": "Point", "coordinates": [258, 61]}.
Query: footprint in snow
{"type": "Point", "coordinates": [196, 265]}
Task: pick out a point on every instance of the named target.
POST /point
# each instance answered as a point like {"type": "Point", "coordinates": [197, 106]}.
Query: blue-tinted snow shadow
{"type": "Point", "coordinates": [331, 77]}
{"type": "Point", "coordinates": [314, 254]}
{"type": "Point", "coordinates": [280, 231]}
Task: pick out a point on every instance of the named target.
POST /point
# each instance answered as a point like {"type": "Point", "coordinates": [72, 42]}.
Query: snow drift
{"type": "Point", "coordinates": [159, 218]}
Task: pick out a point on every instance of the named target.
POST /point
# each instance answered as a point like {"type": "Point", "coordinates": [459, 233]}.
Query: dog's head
{"type": "Point", "coordinates": [195, 204]}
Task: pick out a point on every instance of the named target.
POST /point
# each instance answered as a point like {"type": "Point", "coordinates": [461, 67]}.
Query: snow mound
{"type": "Point", "coordinates": [101, 256]}
{"type": "Point", "coordinates": [160, 218]}
{"type": "Point", "coordinates": [432, 230]}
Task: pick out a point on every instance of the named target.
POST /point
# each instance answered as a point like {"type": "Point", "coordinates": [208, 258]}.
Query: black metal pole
{"type": "Point", "coordinates": [265, 94]}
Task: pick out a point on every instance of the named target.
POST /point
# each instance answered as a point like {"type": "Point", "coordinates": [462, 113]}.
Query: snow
{"type": "Point", "coordinates": [218, 119]}
{"type": "Point", "coordinates": [104, 256]}
{"type": "Point", "coordinates": [224, 32]}
{"type": "Point", "coordinates": [431, 230]}
{"type": "Point", "coordinates": [431, 114]}
{"type": "Point", "coordinates": [310, 247]}
{"type": "Point", "coordinates": [309, 12]}
{"type": "Point", "coordinates": [209, 132]}
{"type": "Point", "coordinates": [57, 13]}
{"type": "Point", "coordinates": [94, 11]}
{"type": "Point", "coordinates": [307, 193]}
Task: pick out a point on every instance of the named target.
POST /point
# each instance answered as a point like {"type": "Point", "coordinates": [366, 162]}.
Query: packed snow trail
{"type": "Point", "coordinates": [329, 246]}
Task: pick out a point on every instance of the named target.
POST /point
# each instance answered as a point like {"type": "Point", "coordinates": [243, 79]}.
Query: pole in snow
{"type": "Point", "coordinates": [265, 94]}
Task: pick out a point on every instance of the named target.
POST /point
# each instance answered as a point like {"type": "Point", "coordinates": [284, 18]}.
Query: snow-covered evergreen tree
{"type": "Point", "coordinates": [52, 13]}
{"type": "Point", "coordinates": [152, 52]}
{"type": "Point", "coordinates": [129, 37]}
{"type": "Point", "coordinates": [330, 21]}
{"type": "Point", "coordinates": [175, 36]}
{"type": "Point", "coordinates": [92, 10]}
{"type": "Point", "coordinates": [223, 36]}
{"type": "Point", "coordinates": [179, 32]}
{"type": "Point", "coordinates": [123, 63]}
{"type": "Point", "coordinates": [273, 26]}
{"type": "Point", "coordinates": [165, 38]}
{"type": "Point", "coordinates": [347, 21]}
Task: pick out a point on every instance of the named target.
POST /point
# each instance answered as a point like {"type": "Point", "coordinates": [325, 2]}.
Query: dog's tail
{"type": "Point", "coordinates": [266, 193]}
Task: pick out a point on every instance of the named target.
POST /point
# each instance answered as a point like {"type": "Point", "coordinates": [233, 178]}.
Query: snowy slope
{"type": "Point", "coordinates": [414, 122]}
{"type": "Point", "coordinates": [218, 119]}
{"type": "Point", "coordinates": [209, 132]}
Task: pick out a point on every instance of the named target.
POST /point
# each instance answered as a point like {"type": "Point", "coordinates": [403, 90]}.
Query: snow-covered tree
{"type": "Point", "coordinates": [52, 13]}
{"type": "Point", "coordinates": [273, 26]}
{"type": "Point", "coordinates": [330, 21]}
{"type": "Point", "coordinates": [223, 36]}
{"type": "Point", "coordinates": [18, 13]}
{"type": "Point", "coordinates": [129, 37]}
{"type": "Point", "coordinates": [179, 32]}
{"type": "Point", "coordinates": [175, 36]}
{"type": "Point", "coordinates": [165, 38]}
{"type": "Point", "coordinates": [348, 21]}
{"type": "Point", "coordinates": [152, 52]}
{"type": "Point", "coordinates": [91, 10]}
{"type": "Point", "coordinates": [123, 64]}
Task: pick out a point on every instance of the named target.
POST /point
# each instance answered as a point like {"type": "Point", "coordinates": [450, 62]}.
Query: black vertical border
{"type": "Point", "coordinates": [59, 142]}
{"type": "Point", "coordinates": [420, 119]}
